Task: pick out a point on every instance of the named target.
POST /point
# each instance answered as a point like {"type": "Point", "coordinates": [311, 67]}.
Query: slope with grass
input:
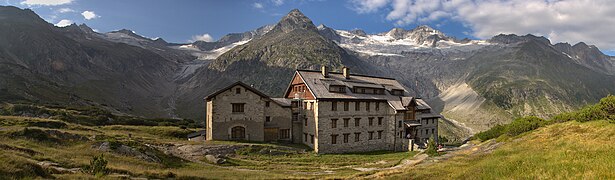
{"type": "Point", "coordinates": [576, 145]}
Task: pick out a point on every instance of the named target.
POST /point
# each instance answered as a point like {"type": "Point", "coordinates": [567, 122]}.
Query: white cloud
{"type": "Point", "coordinates": [560, 20]}
{"type": "Point", "coordinates": [367, 6]}
{"type": "Point", "coordinates": [45, 2]}
{"type": "Point", "coordinates": [64, 23]}
{"type": "Point", "coordinates": [65, 10]}
{"type": "Point", "coordinates": [257, 5]}
{"type": "Point", "coordinates": [278, 2]}
{"type": "Point", "coordinates": [203, 37]}
{"type": "Point", "coordinates": [89, 15]}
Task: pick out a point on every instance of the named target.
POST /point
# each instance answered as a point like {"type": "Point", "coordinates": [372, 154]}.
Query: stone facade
{"type": "Point", "coordinates": [253, 116]}
{"type": "Point", "coordinates": [330, 112]}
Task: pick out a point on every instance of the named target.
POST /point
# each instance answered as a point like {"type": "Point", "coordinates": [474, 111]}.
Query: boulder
{"type": "Point", "coordinates": [213, 159]}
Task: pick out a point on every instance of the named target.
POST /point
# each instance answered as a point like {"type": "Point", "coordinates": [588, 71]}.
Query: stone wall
{"type": "Point", "coordinates": [428, 128]}
{"type": "Point", "coordinates": [221, 119]}
{"type": "Point", "coordinates": [325, 129]}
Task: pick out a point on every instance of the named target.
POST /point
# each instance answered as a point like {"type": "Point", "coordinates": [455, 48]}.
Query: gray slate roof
{"type": "Point", "coordinates": [422, 104]}
{"type": "Point", "coordinates": [319, 86]}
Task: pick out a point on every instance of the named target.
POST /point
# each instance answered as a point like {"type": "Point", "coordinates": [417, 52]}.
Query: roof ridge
{"type": "Point", "coordinates": [362, 75]}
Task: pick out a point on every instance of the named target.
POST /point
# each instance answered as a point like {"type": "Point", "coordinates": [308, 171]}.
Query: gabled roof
{"type": "Point", "coordinates": [319, 87]}
{"type": "Point", "coordinates": [280, 101]}
{"type": "Point", "coordinates": [422, 104]}
{"type": "Point", "coordinates": [233, 85]}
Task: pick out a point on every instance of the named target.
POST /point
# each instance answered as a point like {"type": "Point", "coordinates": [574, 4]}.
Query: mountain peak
{"type": "Point", "coordinates": [294, 20]}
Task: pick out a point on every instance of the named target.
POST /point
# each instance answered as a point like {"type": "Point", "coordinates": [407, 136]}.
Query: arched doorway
{"type": "Point", "coordinates": [238, 133]}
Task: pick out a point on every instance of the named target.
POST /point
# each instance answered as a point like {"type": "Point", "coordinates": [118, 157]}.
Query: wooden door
{"type": "Point", "coordinates": [271, 134]}
{"type": "Point", "coordinates": [238, 133]}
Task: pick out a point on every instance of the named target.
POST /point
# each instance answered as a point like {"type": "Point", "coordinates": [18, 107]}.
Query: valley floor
{"type": "Point", "coordinates": [45, 148]}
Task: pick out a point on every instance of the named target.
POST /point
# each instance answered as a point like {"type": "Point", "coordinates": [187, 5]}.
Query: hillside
{"type": "Point", "coordinates": [574, 145]}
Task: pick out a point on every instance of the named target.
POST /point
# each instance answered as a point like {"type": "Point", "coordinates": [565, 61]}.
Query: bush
{"type": "Point", "coordinates": [98, 166]}
{"type": "Point", "coordinates": [432, 149]}
{"type": "Point", "coordinates": [494, 132]}
{"type": "Point", "coordinates": [524, 124]}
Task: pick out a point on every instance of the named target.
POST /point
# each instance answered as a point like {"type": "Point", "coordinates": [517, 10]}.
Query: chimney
{"type": "Point", "coordinates": [346, 72]}
{"type": "Point", "coordinates": [324, 70]}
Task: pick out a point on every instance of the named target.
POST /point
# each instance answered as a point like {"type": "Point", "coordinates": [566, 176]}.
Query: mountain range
{"type": "Point", "coordinates": [475, 84]}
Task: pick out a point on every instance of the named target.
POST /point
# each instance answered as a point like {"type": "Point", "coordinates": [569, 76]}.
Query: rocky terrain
{"type": "Point", "coordinates": [476, 84]}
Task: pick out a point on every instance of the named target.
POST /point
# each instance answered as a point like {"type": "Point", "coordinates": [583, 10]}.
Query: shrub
{"type": "Point", "coordinates": [591, 113]}
{"type": "Point", "coordinates": [432, 149]}
{"type": "Point", "coordinates": [98, 166]}
{"type": "Point", "coordinates": [608, 104]}
{"type": "Point", "coordinates": [524, 124]}
{"type": "Point", "coordinates": [494, 132]}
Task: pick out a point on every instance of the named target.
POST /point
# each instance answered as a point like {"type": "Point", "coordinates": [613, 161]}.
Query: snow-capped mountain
{"type": "Point", "coordinates": [211, 50]}
{"type": "Point", "coordinates": [397, 41]}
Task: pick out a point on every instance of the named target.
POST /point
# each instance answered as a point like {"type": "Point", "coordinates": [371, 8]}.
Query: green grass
{"type": "Point", "coordinates": [570, 150]}
{"type": "Point", "coordinates": [23, 148]}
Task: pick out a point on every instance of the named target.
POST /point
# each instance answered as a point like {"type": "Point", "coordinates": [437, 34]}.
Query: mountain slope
{"type": "Point", "coordinates": [268, 62]}
{"type": "Point", "coordinates": [41, 64]}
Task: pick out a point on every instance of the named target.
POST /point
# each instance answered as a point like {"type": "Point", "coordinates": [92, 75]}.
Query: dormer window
{"type": "Point", "coordinates": [397, 92]}
{"type": "Point", "coordinates": [339, 89]}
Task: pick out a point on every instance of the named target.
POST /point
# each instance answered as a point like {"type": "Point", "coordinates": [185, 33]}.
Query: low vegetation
{"type": "Point", "coordinates": [576, 145]}
{"type": "Point", "coordinates": [90, 116]}
{"type": "Point", "coordinates": [604, 110]}
{"type": "Point", "coordinates": [129, 151]}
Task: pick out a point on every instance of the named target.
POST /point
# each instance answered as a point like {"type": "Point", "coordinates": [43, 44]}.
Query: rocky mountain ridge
{"type": "Point", "coordinates": [474, 83]}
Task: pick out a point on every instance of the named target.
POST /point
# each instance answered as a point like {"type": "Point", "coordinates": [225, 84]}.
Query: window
{"type": "Point", "coordinates": [346, 122]}
{"type": "Point", "coordinates": [312, 105]}
{"type": "Point", "coordinates": [267, 104]}
{"type": "Point", "coordinates": [284, 133]}
{"type": "Point", "coordinates": [238, 107]}
{"type": "Point", "coordinates": [371, 121]}
{"type": "Point", "coordinates": [305, 105]}
{"type": "Point", "coordinates": [333, 123]}
{"type": "Point", "coordinates": [238, 91]}
{"type": "Point", "coordinates": [305, 137]}
{"type": "Point", "coordinates": [311, 139]}
{"type": "Point", "coordinates": [367, 106]}
{"type": "Point", "coordinates": [379, 121]}
{"type": "Point", "coordinates": [295, 116]}
{"type": "Point", "coordinates": [409, 115]}
{"type": "Point", "coordinates": [267, 119]}
{"type": "Point", "coordinates": [357, 136]}
{"type": "Point", "coordinates": [362, 91]}
{"type": "Point", "coordinates": [334, 139]}
{"type": "Point", "coordinates": [371, 135]}
{"type": "Point", "coordinates": [377, 106]}
{"type": "Point", "coordinates": [379, 134]}
{"type": "Point", "coordinates": [346, 104]}
{"type": "Point", "coordinates": [334, 106]}
{"type": "Point", "coordinates": [357, 106]}
{"type": "Point", "coordinates": [433, 121]}
{"type": "Point", "coordinates": [401, 134]}
{"type": "Point", "coordinates": [399, 124]}
{"type": "Point", "coordinates": [427, 121]}
{"type": "Point", "coordinates": [357, 122]}
{"type": "Point", "coordinates": [433, 131]}
{"type": "Point", "coordinates": [346, 137]}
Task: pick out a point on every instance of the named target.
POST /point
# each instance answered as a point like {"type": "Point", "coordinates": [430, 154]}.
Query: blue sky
{"type": "Point", "coordinates": [185, 20]}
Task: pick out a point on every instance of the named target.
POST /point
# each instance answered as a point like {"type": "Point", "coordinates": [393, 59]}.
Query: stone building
{"type": "Point", "coordinates": [330, 112]}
